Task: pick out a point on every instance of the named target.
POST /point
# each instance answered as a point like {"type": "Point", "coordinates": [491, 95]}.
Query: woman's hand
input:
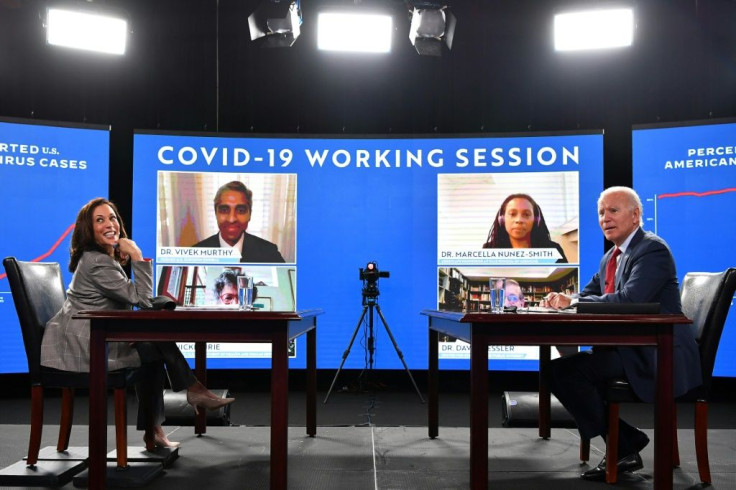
{"type": "Point", "coordinates": [128, 249]}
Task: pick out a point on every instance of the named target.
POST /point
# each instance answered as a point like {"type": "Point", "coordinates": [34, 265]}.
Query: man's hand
{"type": "Point", "coordinates": [557, 301]}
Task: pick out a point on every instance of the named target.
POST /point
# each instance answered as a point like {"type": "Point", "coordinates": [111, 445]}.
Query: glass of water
{"type": "Point", "coordinates": [245, 292]}
{"type": "Point", "coordinates": [498, 292]}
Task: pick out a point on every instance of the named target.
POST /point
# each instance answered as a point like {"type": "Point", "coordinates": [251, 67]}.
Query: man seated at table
{"type": "Point", "coordinates": [639, 269]}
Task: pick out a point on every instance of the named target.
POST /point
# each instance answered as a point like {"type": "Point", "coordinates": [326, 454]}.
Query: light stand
{"type": "Point", "coordinates": [370, 302]}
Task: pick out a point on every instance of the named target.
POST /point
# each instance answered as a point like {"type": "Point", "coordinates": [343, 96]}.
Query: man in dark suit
{"type": "Point", "coordinates": [639, 269]}
{"type": "Point", "coordinates": [233, 204]}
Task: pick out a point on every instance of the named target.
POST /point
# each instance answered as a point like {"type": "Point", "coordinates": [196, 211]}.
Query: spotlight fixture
{"type": "Point", "coordinates": [432, 25]}
{"type": "Point", "coordinates": [276, 23]}
{"type": "Point", "coordinates": [594, 29]}
{"type": "Point", "coordinates": [87, 26]}
{"type": "Point", "coordinates": [361, 32]}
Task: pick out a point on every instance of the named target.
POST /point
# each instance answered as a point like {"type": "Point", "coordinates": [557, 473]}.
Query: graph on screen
{"type": "Point", "coordinates": [49, 170]}
{"type": "Point", "coordinates": [684, 175]}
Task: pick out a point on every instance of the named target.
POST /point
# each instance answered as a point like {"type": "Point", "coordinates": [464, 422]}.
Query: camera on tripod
{"type": "Point", "coordinates": [370, 276]}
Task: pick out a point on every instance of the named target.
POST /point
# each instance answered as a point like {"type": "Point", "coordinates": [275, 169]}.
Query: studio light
{"type": "Point", "coordinates": [594, 29]}
{"type": "Point", "coordinates": [432, 25]}
{"type": "Point", "coordinates": [356, 32]}
{"type": "Point", "coordinates": [276, 23]}
{"type": "Point", "coordinates": [86, 27]}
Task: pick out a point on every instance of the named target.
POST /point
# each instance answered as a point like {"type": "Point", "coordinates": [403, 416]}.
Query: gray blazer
{"type": "Point", "coordinates": [99, 283]}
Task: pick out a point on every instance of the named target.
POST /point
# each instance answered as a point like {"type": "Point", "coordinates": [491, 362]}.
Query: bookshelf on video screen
{"type": "Point", "coordinates": [48, 172]}
{"type": "Point", "coordinates": [422, 209]}
{"type": "Point", "coordinates": [684, 175]}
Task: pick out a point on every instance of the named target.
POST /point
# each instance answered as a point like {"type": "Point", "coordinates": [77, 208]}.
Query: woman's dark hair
{"type": "Point", "coordinates": [83, 237]}
{"type": "Point", "coordinates": [498, 237]}
{"type": "Point", "coordinates": [228, 276]}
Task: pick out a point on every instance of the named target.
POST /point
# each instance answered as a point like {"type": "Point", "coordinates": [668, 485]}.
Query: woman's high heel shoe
{"type": "Point", "coordinates": [159, 441]}
{"type": "Point", "coordinates": [165, 442]}
{"type": "Point", "coordinates": [205, 401]}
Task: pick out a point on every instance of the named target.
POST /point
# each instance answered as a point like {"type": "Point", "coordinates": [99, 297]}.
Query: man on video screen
{"type": "Point", "coordinates": [233, 204]}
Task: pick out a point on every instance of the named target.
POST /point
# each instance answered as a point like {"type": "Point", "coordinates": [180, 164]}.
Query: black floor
{"type": "Point", "coordinates": [377, 439]}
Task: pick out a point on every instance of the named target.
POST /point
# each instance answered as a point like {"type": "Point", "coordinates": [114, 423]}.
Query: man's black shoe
{"type": "Point", "coordinates": [632, 462]}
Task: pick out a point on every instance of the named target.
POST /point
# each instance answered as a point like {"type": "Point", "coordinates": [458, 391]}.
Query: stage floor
{"type": "Point", "coordinates": [362, 450]}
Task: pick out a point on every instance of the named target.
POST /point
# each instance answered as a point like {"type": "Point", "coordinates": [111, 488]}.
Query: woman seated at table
{"type": "Point", "coordinates": [99, 249]}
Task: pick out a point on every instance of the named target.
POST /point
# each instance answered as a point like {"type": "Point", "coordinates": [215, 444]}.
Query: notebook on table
{"type": "Point", "coordinates": [618, 308]}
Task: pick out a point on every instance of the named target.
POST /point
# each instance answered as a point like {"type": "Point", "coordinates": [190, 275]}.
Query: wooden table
{"type": "Point", "coordinates": [545, 330]}
{"type": "Point", "coordinates": [203, 325]}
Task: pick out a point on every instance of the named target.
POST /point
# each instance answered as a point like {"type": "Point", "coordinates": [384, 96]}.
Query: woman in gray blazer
{"type": "Point", "coordinates": [99, 249]}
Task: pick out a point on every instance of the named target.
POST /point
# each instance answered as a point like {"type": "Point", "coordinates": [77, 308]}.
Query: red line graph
{"type": "Point", "coordinates": [697, 194]}
{"type": "Point", "coordinates": [50, 250]}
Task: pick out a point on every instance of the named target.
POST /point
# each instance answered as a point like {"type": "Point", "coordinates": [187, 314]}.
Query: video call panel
{"type": "Point", "coordinates": [330, 206]}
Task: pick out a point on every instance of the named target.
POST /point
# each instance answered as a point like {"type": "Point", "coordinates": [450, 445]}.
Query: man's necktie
{"type": "Point", "coordinates": [611, 271]}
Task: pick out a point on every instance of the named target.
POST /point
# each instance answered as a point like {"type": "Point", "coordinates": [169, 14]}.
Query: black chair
{"type": "Point", "coordinates": [38, 294]}
{"type": "Point", "coordinates": [706, 298]}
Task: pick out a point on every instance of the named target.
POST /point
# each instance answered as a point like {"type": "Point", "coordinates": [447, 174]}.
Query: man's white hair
{"type": "Point", "coordinates": [634, 201]}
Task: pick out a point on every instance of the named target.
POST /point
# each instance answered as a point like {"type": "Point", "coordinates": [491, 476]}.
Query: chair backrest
{"type": "Point", "coordinates": [38, 294]}
{"type": "Point", "coordinates": [706, 298]}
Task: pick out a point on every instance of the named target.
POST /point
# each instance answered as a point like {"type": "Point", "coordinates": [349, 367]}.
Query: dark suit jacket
{"type": "Point", "coordinates": [646, 274]}
{"type": "Point", "coordinates": [255, 249]}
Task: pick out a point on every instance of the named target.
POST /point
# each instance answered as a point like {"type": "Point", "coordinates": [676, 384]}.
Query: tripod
{"type": "Point", "coordinates": [369, 304]}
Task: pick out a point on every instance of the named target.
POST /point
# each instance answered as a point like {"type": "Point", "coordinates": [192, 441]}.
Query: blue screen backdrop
{"type": "Point", "coordinates": [360, 200]}
{"type": "Point", "coordinates": [48, 172]}
{"type": "Point", "coordinates": [684, 174]}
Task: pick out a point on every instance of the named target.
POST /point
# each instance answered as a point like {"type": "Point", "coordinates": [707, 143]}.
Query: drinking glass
{"type": "Point", "coordinates": [245, 292]}
{"type": "Point", "coordinates": [498, 291]}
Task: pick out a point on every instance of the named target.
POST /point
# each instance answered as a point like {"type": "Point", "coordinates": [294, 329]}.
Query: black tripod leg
{"type": "Point", "coordinates": [398, 351]}
{"type": "Point", "coordinates": [346, 353]}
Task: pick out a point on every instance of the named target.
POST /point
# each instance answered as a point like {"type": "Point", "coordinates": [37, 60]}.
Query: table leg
{"type": "Point", "coordinates": [312, 382]}
{"type": "Point", "coordinates": [544, 396]}
{"type": "Point", "coordinates": [200, 371]}
{"type": "Point", "coordinates": [664, 408]}
{"type": "Point", "coordinates": [433, 385]}
{"type": "Point", "coordinates": [279, 408]}
{"type": "Point", "coordinates": [97, 410]}
{"type": "Point", "coordinates": [478, 410]}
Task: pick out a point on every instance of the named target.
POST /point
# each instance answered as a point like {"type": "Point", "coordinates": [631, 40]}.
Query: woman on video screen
{"type": "Point", "coordinates": [225, 291]}
{"type": "Point", "coordinates": [519, 223]}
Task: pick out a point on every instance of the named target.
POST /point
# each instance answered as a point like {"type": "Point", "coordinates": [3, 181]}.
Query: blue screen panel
{"type": "Point", "coordinates": [48, 172]}
{"type": "Point", "coordinates": [332, 205]}
{"type": "Point", "coordinates": [685, 177]}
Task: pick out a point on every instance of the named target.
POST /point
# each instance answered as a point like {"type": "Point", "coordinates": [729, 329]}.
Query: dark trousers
{"type": "Point", "coordinates": [150, 387]}
{"type": "Point", "coordinates": [579, 382]}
